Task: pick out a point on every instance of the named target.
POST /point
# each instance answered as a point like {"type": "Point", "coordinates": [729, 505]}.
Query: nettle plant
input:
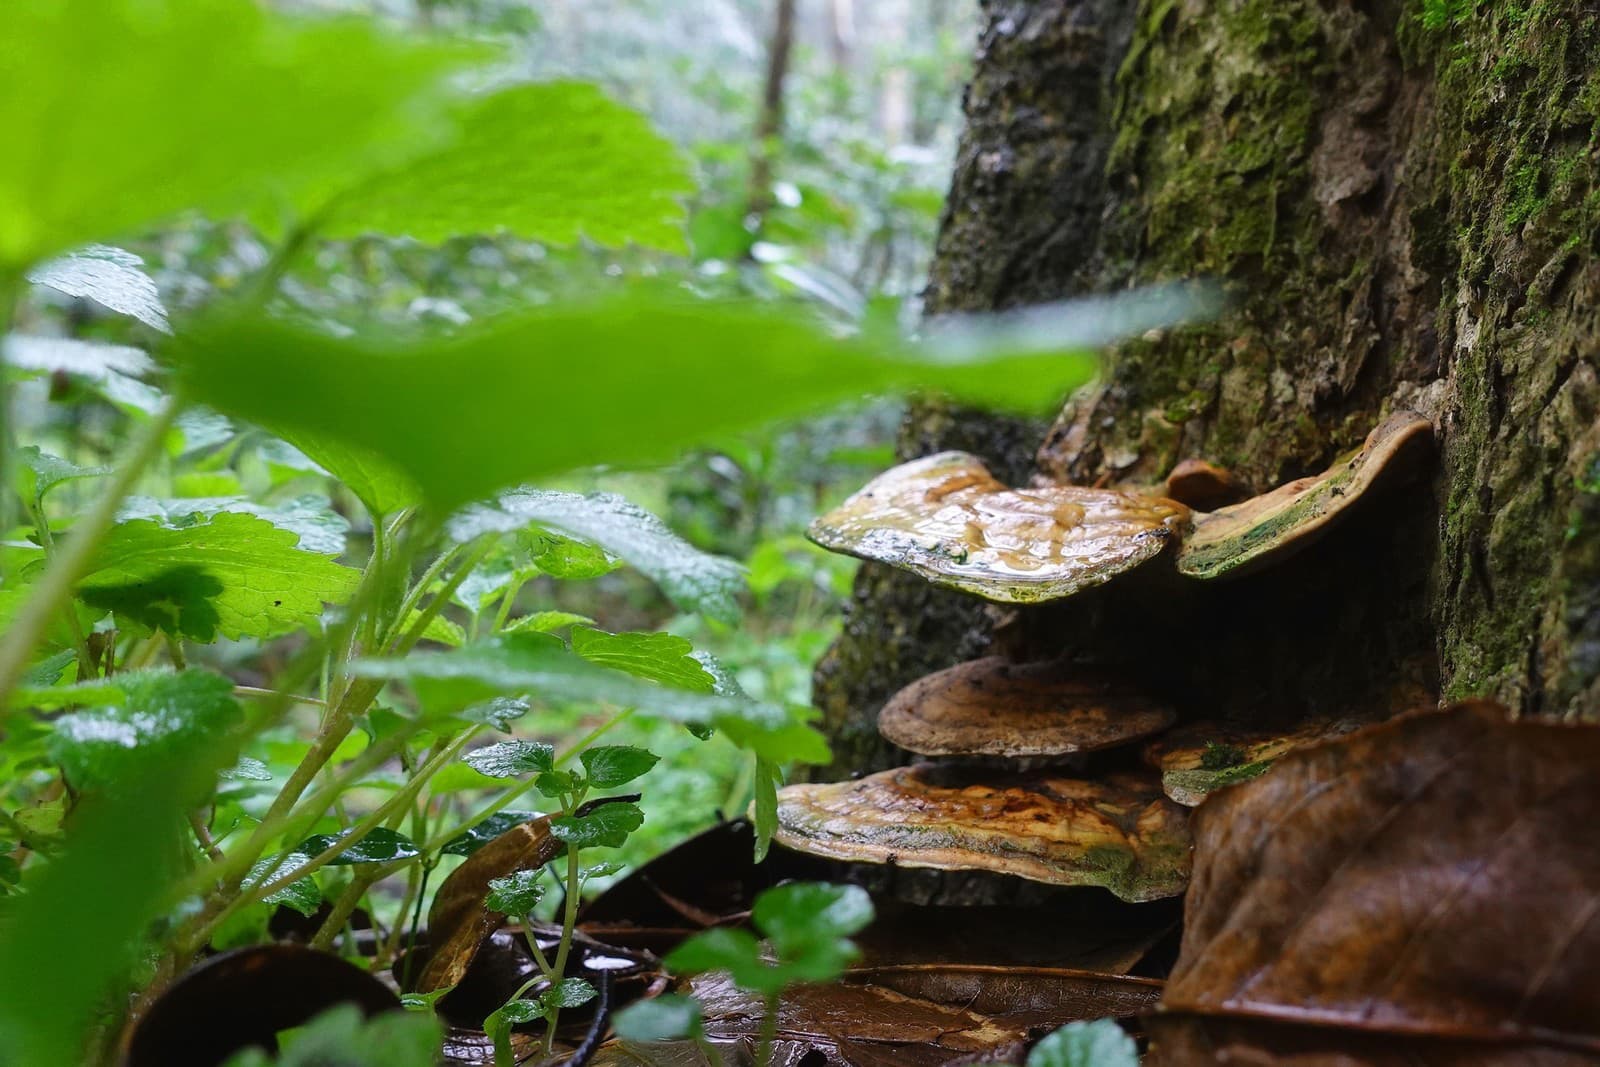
{"type": "Point", "coordinates": [252, 660]}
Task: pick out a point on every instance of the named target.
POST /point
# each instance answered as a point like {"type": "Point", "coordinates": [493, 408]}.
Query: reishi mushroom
{"type": "Point", "coordinates": [946, 518]}
{"type": "Point", "coordinates": [1241, 538]}
{"type": "Point", "coordinates": [1120, 832]}
{"type": "Point", "coordinates": [1201, 757]}
{"type": "Point", "coordinates": [991, 707]}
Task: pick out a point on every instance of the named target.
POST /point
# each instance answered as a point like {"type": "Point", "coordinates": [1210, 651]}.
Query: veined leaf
{"type": "Point", "coordinates": [538, 665]}
{"type": "Point", "coordinates": [499, 405]}
{"type": "Point", "coordinates": [551, 162]}
{"type": "Point", "coordinates": [119, 113]}
{"type": "Point", "coordinates": [660, 657]}
{"type": "Point", "coordinates": [87, 359]}
{"type": "Point", "coordinates": [234, 574]}
{"type": "Point", "coordinates": [376, 482]}
{"type": "Point", "coordinates": [692, 579]}
{"type": "Point", "coordinates": [38, 472]}
{"type": "Point", "coordinates": [320, 529]}
{"type": "Point", "coordinates": [112, 277]}
{"type": "Point", "coordinates": [162, 719]}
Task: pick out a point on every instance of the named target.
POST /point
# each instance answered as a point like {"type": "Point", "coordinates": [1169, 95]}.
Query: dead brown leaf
{"type": "Point", "coordinates": [1424, 891]}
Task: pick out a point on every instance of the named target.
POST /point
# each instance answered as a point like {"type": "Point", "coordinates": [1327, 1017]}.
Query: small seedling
{"type": "Point", "coordinates": [805, 929]}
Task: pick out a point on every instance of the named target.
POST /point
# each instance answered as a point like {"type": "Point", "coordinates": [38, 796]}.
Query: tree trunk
{"type": "Point", "coordinates": [1401, 203]}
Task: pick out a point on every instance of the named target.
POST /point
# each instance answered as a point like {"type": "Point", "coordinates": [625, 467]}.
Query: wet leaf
{"type": "Point", "coordinates": [112, 277]}
{"type": "Point", "coordinates": [378, 845]}
{"type": "Point", "coordinates": [662, 1018]}
{"type": "Point", "coordinates": [609, 766]}
{"type": "Point", "coordinates": [606, 827]}
{"type": "Point", "coordinates": [664, 658]}
{"type": "Point", "coordinates": [507, 759]}
{"type": "Point", "coordinates": [1420, 891]}
{"type": "Point", "coordinates": [517, 893]}
{"type": "Point", "coordinates": [486, 831]}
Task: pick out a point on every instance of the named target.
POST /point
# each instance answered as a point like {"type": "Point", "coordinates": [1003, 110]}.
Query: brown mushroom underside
{"type": "Point", "coordinates": [990, 707]}
{"type": "Point", "coordinates": [1120, 833]}
{"type": "Point", "coordinates": [946, 518]}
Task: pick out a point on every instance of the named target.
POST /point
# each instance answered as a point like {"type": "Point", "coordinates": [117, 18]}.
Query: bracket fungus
{"type": "Point", "coordinates": [1199, 758]}
{"type": "Point", "coordinates": [1120, 833]}
{"type": "Point", "coordinates": [1243, 537]}
{"type": "Point", "coordinates": [990, 707]}
{"type": "Point", "coordinates": [1202, 486]}
{"type": "Point", "coordinates": [946, 518]}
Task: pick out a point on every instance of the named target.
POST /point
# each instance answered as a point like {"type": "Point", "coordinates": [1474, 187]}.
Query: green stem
{"type": "Point", "coordinates": [10, 289]}
{"type": "Point", "coordinates": [51, 593]}
{"type": "Point", "coordinates": [769, 1031]}
{"type": "Point", "coordinates": [569, 920]}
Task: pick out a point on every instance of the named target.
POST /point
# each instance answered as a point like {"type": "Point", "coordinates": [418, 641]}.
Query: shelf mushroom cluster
{"type": "Point", "coordinates": [947, 519]}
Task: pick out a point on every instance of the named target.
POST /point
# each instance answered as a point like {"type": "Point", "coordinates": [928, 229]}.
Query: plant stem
{"type": "Point", "coordinates": [249, 691]}
{"type": "Point", "coordinates": [10, 289]}
{"type": "Point", "coordinates": [569, 920]}
{"type": "Point", "coordinates": [51, 593]}
{"type": "Point", "coordinates": [769, 1030]}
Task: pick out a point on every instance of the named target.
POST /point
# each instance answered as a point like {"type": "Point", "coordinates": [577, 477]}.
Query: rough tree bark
{"type": "Point", "coordinates": [1402, 204]}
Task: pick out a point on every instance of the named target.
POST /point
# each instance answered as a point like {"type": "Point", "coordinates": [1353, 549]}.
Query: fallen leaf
{"type": "Point", "coordinates": [1423, 891]}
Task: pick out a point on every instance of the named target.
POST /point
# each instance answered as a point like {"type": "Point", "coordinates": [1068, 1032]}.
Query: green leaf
{"type": "Point", "coordinates": [608, 826]}
{"type": "Point", "coordinates": [1101, 1043]}
{"type": "Point", "coordinates": [38, 472]}
{"type": "Point", "coordinates": [85, 359]}
{"type": "Point", "coordinates": [764, 805]}
{"type": "Point", "coordinates": [567, 993]}
{"type": "Point", "coordinates": [78, 939]}
{"type": "Point", "coordinates": [120, 113]}
{"type": "Point", "coordinates": [609, 766]}
{"type": "Point", "coordinates": [555, 784]}
{"type": "Point", "coordinates": [161, 719]}
{"type": "Point", "coordinates": [543, 622]}
{"type": "Point", "coordinates": [234, 574]}
{"type": "Point", "coordinates": [378, 845]}
{"type": "Point", "coordinates": [662, 1018]}
{"type": "Point", "coordinates": [377, 483]}
{"type": "Point", "coordinates": [312, 518]}
{"type": "Point", "coordinates": [500, 404]}
{"type": "Point", "coordinates": [340, 1037]}
{"type": "Point", "coordinates": [692, 579]}
{"type": "Point", "coordinates": [507, 759]}
{"type": "Point", "coordinates": [247, 770]}
{"type": "Point", "coordinates": [513, 1012]}
{"type": "Point", "coordinates": [111, 277]}
{"type": "Point", "coordinates": [569, 560]}
{"type": "Point", "coordinates": [301, 894]}
{"type": "Point", "coordinates": [499, 713]}
{"type": "Point", "coordinates": [660, 657]}
{"type": "Point", "coordinates": [516, 894]}
{"type": "Point", "coordinates": [550, 162]}
{"type": "Point", "coordinates": [471, 840]}
{"type": "Point", "coordinates": [540, 665]}
{"type": "Point", "coordinates": [724, 949]}
{"type": "Point", "coordinates": [799, 915]}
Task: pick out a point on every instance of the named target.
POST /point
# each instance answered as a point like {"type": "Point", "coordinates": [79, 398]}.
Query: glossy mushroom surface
{"type": "Point", "coordinates": [1199, 758]}
{"type": "Point", "coordinates": [992, 707]}
{"type": "Point", "coordinates": [1243, 537]}
{"type": "Point", "coordinates": [1120, 833]}
{"type": "Point", "coordinates": [946, 518]}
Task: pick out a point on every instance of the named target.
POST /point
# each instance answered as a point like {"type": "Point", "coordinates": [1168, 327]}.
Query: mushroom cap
{"type": "Point", "coordinates": [1243, 537]}
{"type": "Point", "coordinates": [946, 518]}
{"type": "Point", "coordinates": [1199, 758]}
{"type": "Point", "coordinates": [1202, 486]}
{"type": "Point", "coordinates": [991, 707]}
{"type": "Point", "coordinates": [1120, 833]}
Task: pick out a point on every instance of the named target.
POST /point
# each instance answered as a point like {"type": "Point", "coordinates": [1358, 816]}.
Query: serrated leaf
{"type": "Point", "coordinates": [377, 483]}
{"type": "Point", "coordinates": [608, 826]}
{"type": "Point", "coordinates": [221, 106]}
{"type": "Point", "coordinates": [87, 359]}
{"type": "Point", "coordinates": [609, 766]}
{"type": "Point", "coordinates": [659, 657]}
{"type": "Point", "coordinates": [567, 559]}
{"type": "Point", "coordinates": [500, 713]}
{"type": "Point", "coordinates": [234, 574]}
{"type": "Point", "coordinates": [555, 784]}
{"type": "Point", "coordinates": [543, 622]}
{"type": "Point", "coordinates": [507, 759]}
{"type": "Point", "coordinates": [455, 412]}
{"type": "Point", "coordinates": [301, 894]}
{"type": "Point", "coordinates": [692, 579]}
{"type": "Point", "coordinates": [1101, 1043]}
{"type": "Point", "coordinates": [487, 830]}
{"type": "Point", "coordinates": [38, 472]}
{"type": "Point", "coordinates": [112, 277]}
{"type": "Point", "coordinates": [162, 720]}
{"type": "Point", "coordinates": [378, 845]}
{"type": "Point", "coordinates": [567, 993]}
{"type": "Point", "coordinates": [312, 518]}
{"type": "Point", "coordinates": [551, 162]}
{"type": "Point", "coordinates": [540, 666]}
{"type": "Point", "coordinates": [517, 894]}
